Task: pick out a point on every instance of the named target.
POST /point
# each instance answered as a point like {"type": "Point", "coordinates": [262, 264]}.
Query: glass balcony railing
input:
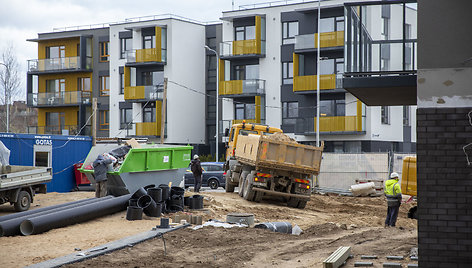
{"type": "Point", "coordinates": [308, 82]}
{"type": "Point", "coordinates": [59, 98]}
{"type": "Point", "coordinates": [249, 87]}
{"type": "Point", "coordinates": [242, 47]}
{"type": "Point", "coordinates": [60, 130]}
{"type": "Point", "coordinates": [59, 64]}
{"type": "Point", "coordinates": [146, 55]}
{"type": "Point", "coordinates": [310, 41]}
{"type": "Point", "coordinates": [144, 92]}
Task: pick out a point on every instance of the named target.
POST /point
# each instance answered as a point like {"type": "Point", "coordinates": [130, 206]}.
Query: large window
{"type": "Point", "coordinates": [126, 117]}
{"type": "Point", "coordinates": [149, 112]}
{"type": "Point", "coordinates": [287, 73]}
{"type": "Point", "coordinates": [332, 24]}
{"type": "Point", "coordinates": [126, 45]}
{"type": "Point", "coordinates": [289, 31]}
{"type": "Point", "coordinates": [332, 107]}
{"type": "Point", "coordinates": [245, 111]}
{"type": "Point", "coordinates": [289, 113]}
{"type": "Point", "coordinates": [122, 83]}
{"type": "Point", "coordinates": [55, 85]}
{"type": "Point", "coordinates": [246, 72]}
{"type": "Point", "coordinates": [104, 120]}
{"type": "Point", "coordinates": [83, 84]}
{"type": "Point", "coordinates": [104, 85]}
{"type": "Point", "coordinates": [152, 78]}
{"type": "Point", "coordinates": [104, 52]}
{"type": "Point", "coordinates": [385, 115]}
{"type": "Point", "coordinates": [245, 32]}
{"type": "Point", "coordinates": [149, 41]}
{"type": "Point", "coordinates": [55, 52]}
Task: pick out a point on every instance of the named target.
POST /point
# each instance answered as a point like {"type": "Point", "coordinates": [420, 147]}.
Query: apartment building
{"type": "Point", "coordinates": [268, 75]}
{"type": "Point", "coordinates": [142, 54]}
{"type": "Point", "coordinates": [71, 69]}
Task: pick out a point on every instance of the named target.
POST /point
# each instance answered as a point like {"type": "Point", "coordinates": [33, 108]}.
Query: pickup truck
{"type": "Point", "coordinates": [18, 184]}
{"type": "Point", "coordinates": [260, 163]}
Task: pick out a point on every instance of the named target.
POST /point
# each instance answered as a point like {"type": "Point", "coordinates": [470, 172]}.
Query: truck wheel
{"type": "Point", "coordinates": [229, 187]}
{"type": "Point", "coordinates": [23, 202]}
{"type": "Point", "coordinates": [292, 202]}
{"type": "Point", "coordinates": [242, 178]}
{"type": "Point", "coordinates": [301, 204]}
{"type": "Point", "coordinates": [213, 184]}
{"type": "Point", "coordinates": [248, 193]}
{"type": "Point", "coordinates": [258, 196]}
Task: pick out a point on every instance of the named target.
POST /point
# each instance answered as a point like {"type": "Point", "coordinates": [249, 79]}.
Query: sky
{"type": "Point", "coordinates": [24, 19]}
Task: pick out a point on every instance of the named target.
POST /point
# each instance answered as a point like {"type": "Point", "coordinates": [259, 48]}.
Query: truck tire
{"type": "Point", "coordinates": [248, 193]}
{"type": "Point", "coordinates": [292, 202]}
{"type": "Point", "coordinates": [229, 186]}
{"type": "Point", "coordinates": [23, 201]}
{"type": "Point", "coordinates": [301, 204]}
{"type": "Point", "coordinates": [213, 183]}
{"type": "Point", "coordinates": [258, 196]}
{"type": "Point", "coordinates": [242, 178]}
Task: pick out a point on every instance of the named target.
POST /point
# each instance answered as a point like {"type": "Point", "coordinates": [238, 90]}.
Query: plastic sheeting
{"type": "Point", "coordinates": [4, 155]}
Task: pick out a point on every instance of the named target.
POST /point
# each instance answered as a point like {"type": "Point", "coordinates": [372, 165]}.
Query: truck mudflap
{"type": "Point", "coordinates": [299, 196]}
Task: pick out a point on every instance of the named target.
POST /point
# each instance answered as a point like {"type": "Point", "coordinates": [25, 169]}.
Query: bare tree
{"type": "Point", "coordinates": [9, 79]}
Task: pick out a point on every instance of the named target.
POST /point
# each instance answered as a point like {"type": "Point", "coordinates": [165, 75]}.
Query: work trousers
{"type": "Point", "coordinates": [198, 183]}
{"type": "Point", "coordinates": [392, 214]}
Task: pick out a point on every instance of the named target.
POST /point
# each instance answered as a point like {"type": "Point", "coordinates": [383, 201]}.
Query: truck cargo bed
{"type": "Point", "coordinates": [17, 176]}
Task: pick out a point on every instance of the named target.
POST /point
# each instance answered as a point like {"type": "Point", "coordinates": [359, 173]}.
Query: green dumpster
{"type": "Point", "coordinates": [150, 164]}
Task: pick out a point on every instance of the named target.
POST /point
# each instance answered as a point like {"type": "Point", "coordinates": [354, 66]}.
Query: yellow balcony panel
{"type": "Point", "coordinates": [134, 93]}
{"type": "Point", "coordinates": [233, 87]}
{"type": "Point", "coordinates": [147, 129]}
{"type": "Point", "coordinates": [308, 82]}
{"type": "Point", "coordinates": [331, 39]}
{"type": "Point", "coordinates": [245, 47]}
{"type": "Point", "coordinates": [338, 124]}
{"type": "Point", "coordinates": [251, 121]}
{"type": "Point", "coordinates": [148, 55]}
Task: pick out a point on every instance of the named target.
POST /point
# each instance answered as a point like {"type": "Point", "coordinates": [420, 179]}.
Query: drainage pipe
{"type": "Point", "coordinates": [12, 226]}
{"type": "Point", "coordinates": [43, 223]}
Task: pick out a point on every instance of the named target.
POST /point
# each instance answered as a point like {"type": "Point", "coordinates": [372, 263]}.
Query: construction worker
{"type": "Point", "coordinates": [197, 171]}
{"type": "Point", "coordinates": [393, 193]}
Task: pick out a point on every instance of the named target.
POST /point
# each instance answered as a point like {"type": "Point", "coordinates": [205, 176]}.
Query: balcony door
{"type": "Point", "coordinates": [55, 123]}
{"type": "Point", "coordinates": [55, 57]}
{"type": "Point", "coordinates": [55, 89]}
{"type": "Point", "coordinates": [246, 72]}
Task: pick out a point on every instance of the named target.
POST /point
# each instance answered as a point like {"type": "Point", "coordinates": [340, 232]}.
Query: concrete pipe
{"type": "Point", "coordinates": [43, 223]}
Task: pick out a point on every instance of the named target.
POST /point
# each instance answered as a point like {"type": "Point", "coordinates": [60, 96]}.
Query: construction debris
{"type": "Point", "coordinates": [337, 258]}
{"type": "Point", "coordinates": [363, 264]}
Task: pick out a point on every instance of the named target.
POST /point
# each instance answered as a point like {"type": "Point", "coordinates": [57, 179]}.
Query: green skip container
{"type": "Point", "coordinates": [151, 164]}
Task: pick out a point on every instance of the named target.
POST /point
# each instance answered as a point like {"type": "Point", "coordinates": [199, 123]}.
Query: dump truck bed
{"type": "Point", "coordinates": [19, 176]}
{"type": "Point", "coordinates": [264, 152]}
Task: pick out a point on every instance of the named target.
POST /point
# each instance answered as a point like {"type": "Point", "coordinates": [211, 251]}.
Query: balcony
{"type": "Point", "coordinates": [330, 125]}
{"type": "Point", "coordinates": [66, 98]}
{"type": "Point", "coordinates": [60, 130]}
{"type": "Point", "coordinates": [146, 56]}
{"type": "Point", "coordinates": [308, 83]}
{"type": "Point", "coordinates": [242, 49]}
{"type": "Point", "coordinates": [240, 88]}
{"type": "Point", "coordinates": [143, 93]}
{"type": "Point", "coordinates": [309, 42]}
{"type": "Point", "coordinates": [60, 65]}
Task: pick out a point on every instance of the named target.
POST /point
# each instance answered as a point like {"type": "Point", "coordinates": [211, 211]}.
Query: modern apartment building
{"type": "Point", "coordinates": [71, 69]}
{"type": "Point", "coordinates": [268, 75]}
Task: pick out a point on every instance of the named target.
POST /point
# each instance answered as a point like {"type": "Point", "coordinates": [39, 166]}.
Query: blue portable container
{"type": "Point", "coordinates": [57, 151]}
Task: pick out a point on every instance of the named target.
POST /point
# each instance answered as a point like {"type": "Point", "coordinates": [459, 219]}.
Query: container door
{"type": "Point", "coordinates": [42, 155]}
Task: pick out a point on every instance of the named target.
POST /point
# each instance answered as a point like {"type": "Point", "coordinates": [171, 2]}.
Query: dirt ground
{"type": "Point", "coordinates": [328, 221]}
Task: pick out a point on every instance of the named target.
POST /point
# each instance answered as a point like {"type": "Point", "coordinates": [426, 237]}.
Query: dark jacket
{"type": "Point", "coordinates": [196, 168]}
{"type": "Point", "coordinates": [100, 168]}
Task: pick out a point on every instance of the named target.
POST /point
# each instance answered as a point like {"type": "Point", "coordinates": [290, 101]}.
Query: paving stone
{"type": "Point", "coordinates": [412, 265]}
{"type": "Point", "coordinates": [391, 265]}
{"type": "Point", "coordinates": [414, 258]}
{"type": "Point", "coordinates": [363, 263]}
{"type": "Point", "coordinates": [395, 258]}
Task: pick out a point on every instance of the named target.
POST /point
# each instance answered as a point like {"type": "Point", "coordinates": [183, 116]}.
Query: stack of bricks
{"type": "Point", "coordinates": [444, 187]}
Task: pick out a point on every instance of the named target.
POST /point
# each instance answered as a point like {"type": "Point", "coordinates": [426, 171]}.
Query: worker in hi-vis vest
{"type": "Point", "coordinates": [393, 193]}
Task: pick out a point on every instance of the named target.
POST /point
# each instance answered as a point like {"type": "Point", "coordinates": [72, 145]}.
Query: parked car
{"type": "Point", "coordinates": [213, 175]}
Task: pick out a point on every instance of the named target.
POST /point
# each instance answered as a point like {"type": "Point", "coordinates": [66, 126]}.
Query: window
{"type": "Point", "coordinates": [149, 41]}
{"type": "Point", "coordinates": [83, 84]}
{"type": "Point", "coordinates": [327, 25]}
{"type": "Point", "coordinates": [289, 113]}
{"type": "Point", "coordinates": [332, 107]}
{"type": "Point", "coordinates": [126, 117]}
{"type": "Point", "coordinates": [126, 45]}
{"type": "Point", "coordinates": [245, 32]}
{"type": "Point", "coordinates": [211, 42]}
{"type": "Point", "coordinates": [55, 52]}
{"type": "Point", "coordinates": [289, 31]}
{"type": "Point", "coordinates": [385, 115]}
{"type": "Point", "coordinates": [104, 120]}
{"type": "Point", "coordinates": [104, 53]}
{"type": "Point", "coordinates": [287, 73]}
{"type": "Point", "coordinates": [245, 111]}
{"type": "Point", "coordinates": [55, 122]}
{"type": "Point", "coordinates": [406, 115]}
{"type": "Point", "coordinates": [152, 78]}
{"type": "Point", "coordinates": [104, 85]}
{"type": "Point", "coordinates": [211, 75]}
{"type": "Point", "coordinates": [246, 72]}
{"type": "Point", "coordinates": [327, 66]}
{"type": "Point", "coordinates": [122, 83]}
{"type": "Point", "coordinates": [385, 26]}
{"type": "Point", "coordinates": [149, 112]}
{"type": "Point", "coordinates": [56, 85]}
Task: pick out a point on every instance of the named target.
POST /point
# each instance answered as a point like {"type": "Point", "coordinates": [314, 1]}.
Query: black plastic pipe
{"type": "Point", "coordinates": [12, 226]}
{"type": "Point", "coordinates": [43, 223]}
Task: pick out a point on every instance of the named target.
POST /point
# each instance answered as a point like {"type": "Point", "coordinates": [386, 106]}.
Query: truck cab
{"type": "Point", "coordinates": [246, 129]}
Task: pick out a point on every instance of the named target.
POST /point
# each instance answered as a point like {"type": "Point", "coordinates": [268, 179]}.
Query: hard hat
{"type": "Point", "coordinates": [195, 157]}
{"type": "Point", "coordinates": [393, 175]}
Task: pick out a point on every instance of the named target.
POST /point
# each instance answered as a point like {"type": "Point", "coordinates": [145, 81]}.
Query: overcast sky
{"type": "Point", "coordinates": [24, 19]}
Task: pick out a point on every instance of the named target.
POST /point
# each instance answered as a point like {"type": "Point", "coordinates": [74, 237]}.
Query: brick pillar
{"type": "Point", "coordinates": [444, 187]}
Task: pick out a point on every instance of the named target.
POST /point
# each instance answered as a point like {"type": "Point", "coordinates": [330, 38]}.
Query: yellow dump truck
{"type": "Point", "coordinates": [261, 162]}
{"type": "Point", "coordinates": [408, 183]}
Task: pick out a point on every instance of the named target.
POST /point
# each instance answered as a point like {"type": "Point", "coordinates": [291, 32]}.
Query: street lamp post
{"type": "Point", "coordinates": [7, 99]}
{"type": "Point", "coordinates": [217, 100]}
{"type": "Point", "coordinates": [318, 80]}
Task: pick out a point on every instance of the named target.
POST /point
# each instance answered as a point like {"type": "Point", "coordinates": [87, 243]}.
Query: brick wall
{"type": "Point", "coordinates": [444, 187]}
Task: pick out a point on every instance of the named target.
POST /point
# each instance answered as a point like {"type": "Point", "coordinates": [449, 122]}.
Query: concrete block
{"type": "Point", "coordinates": [414, 258]}
{"type": "Point", "coordinates": [411, 265]}
{"type": "Point", "coordinates": [392, 265]}
{"type": "Point", "coordinates": [363, 264]}
{"type": "Point", "coordinates": [368, 257]}
{"type": "Point", "coordinates": [401, 257]}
